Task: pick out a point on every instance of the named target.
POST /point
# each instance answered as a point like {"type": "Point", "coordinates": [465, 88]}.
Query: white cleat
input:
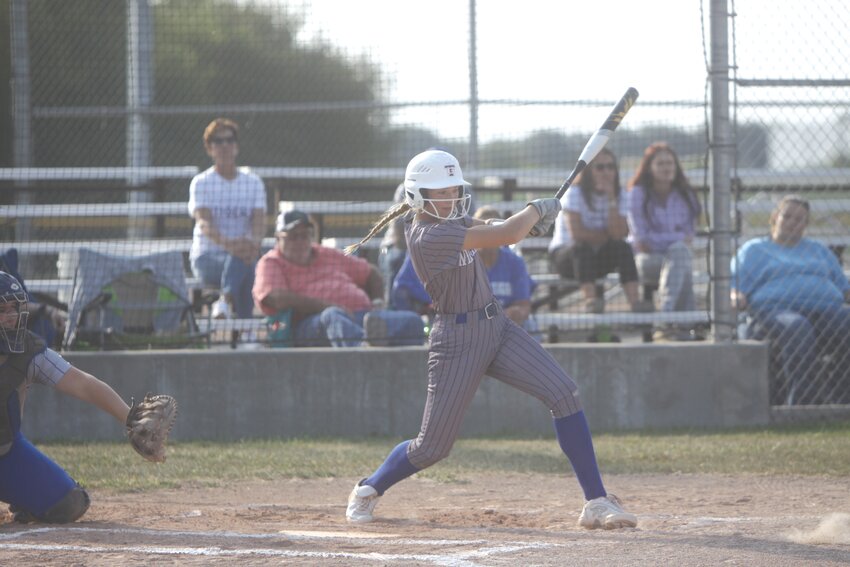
{"type": "Point", "coordinates": [606, 512]}
{"type": "Point", "coordinates": [361, 503]}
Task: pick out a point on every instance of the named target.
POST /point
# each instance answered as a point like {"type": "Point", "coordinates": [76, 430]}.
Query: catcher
{"type": "Point", "coordinates": [36, 488]}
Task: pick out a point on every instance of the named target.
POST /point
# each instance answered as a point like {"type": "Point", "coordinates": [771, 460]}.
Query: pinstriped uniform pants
{"type": "Point", "coordinates": [460, 355]}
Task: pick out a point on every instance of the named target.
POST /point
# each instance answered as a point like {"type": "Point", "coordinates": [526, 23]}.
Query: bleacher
{"type": "Point", "coordinates": [340, 222]}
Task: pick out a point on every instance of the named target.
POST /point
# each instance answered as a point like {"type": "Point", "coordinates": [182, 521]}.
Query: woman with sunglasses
{"type": "Point", "coordinates": [590, 237]}
{"type": "Point", "coordinates": [229, 208]}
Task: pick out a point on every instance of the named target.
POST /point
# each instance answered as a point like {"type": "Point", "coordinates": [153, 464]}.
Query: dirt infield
{"type": "Point", "coordinates": [481, 521]}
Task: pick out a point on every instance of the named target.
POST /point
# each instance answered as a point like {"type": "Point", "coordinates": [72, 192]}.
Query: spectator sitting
{"type": "Point", "coordinates": [335, 299]}
{"type": "Point", "coordinates": [594, 214]}
{"type": "Point", "coordinates": [512, 286]}
{"type": "Point", "coordinates": [796, 295]}
{"type": "Point", "coordinates": [663, 212]}
{"type": "Point", "coordinates": [229, 208]}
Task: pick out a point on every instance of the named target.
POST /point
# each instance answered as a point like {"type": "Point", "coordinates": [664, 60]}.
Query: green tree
{"type": "Point", "coordinates": [405, 142]}
{"type": "Point", "coordinates": [77, 52]}
{"type": "Point", "coordinates": [211, 52]}
{"type": "Point", "coordinates": [207, 53]}
{"type": "Point", "coordinates": [69, 67]}
{"type": "Point", "coordinates": [841, 160]}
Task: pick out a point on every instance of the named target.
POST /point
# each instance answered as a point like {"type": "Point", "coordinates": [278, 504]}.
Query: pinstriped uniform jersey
{"type": "Point", "coordinates": [455, 279]}
{"type": "Point", "coordinates": [470, 339]}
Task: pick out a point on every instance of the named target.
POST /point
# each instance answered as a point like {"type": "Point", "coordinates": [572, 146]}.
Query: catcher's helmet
{"type": "Point", "coordinates": [435, 169]}
{"type": "Point", "coordinates": [13, 314]}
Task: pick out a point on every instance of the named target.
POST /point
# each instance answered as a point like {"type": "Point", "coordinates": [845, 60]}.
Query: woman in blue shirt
{"type": "Point", "coordinates": [796, 295]}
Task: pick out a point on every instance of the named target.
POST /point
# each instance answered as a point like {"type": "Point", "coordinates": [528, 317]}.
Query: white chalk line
{"type": "Point", "coordinates": [459, 559]}
{"type": "Point", "coordinates": [456, 559]}
{"type": "Point", "coordinates": [295, 535]}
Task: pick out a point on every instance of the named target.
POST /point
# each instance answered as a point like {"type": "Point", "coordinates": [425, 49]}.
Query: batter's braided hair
{"type": "Point", "coordinates": [392, 213]}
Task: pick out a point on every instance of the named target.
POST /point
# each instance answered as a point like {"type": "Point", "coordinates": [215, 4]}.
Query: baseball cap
{"type": "Point", "coordinates": [291, 219]}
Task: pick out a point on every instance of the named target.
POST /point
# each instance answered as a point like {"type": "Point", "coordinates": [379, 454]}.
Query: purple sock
{"type": "Point", "coordinates": [394, 469]}
{"type": "Point", "coordinates": [574, 438]}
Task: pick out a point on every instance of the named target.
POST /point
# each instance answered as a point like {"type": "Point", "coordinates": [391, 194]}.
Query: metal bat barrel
{"type": "Point", "coordinates": [600, 137]}
{"type": "Point", "coordinates": [620, 110]}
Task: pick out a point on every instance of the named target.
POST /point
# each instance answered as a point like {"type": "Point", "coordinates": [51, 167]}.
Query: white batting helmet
{"type": "Point", "coordinates": [435, 169]}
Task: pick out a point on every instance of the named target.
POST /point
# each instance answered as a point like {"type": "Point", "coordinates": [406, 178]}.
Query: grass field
{"type": "Point", "coordinates": [822, 450]}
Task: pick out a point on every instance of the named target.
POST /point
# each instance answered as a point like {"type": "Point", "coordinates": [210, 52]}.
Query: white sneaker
{"type": "Point", "coordinates": [220, 309]}
{"type": "Point", "coordinates": [605, 512]}
{"type": "Point", "coordinates": [361, 502]}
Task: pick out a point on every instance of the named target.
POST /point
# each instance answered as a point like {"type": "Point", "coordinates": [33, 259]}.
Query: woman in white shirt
{"type": "Point", "coordinates": [591, 233]}
{"type": "Point", "coordinates": [229, 207]}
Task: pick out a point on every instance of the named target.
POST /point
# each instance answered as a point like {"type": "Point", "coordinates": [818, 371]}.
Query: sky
{"type": "Point", "coordinates": [562, 50]}
{"type": "Point", "coordinates": [533, 50]}
{"type": "Point", "coordinates": [539, 51]}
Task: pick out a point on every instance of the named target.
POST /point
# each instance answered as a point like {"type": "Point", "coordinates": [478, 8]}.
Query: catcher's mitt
{"type": "Point", "coordinates": [149, 423]}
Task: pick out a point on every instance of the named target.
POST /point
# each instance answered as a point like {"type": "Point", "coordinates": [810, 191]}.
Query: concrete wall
{"type": "Point", "coordinates": [381, 391]}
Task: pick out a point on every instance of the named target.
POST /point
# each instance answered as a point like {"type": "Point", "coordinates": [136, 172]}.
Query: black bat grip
{"type": "Point", "coordinates": [572, 177]}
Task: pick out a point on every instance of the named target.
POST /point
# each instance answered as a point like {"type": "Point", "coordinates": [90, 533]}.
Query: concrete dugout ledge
{"type": "Point", "coordinates": [228, 395]}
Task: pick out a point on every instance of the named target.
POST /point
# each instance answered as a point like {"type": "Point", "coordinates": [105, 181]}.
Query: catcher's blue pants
{"type": "Point", "coordinates": [29, 480]}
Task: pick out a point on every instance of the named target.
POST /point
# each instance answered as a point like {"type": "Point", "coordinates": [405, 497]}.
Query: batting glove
{"type": "Point", "coordinates": [548, 210]}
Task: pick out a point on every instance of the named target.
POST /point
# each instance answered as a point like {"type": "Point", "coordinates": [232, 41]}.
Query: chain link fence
{"type": "Point", "coordinates": [790, 76]}
{"type": "Point", "coordinates": [108, 104]}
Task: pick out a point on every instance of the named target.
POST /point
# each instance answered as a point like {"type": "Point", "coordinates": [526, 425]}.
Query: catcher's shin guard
{"type": "Point", "coordinates": [72, 506]}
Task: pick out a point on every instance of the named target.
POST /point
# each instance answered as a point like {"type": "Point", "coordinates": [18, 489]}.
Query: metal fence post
{"type": "Point", "coordinates": [21, 108]}
{"type": "Point", "coordinates": [721, 151]}
{"type": "Point", "coordinates": [139, 95]}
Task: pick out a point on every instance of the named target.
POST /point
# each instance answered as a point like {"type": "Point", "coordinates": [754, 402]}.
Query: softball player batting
{"type": "Point", "coordinates": [472, 337]}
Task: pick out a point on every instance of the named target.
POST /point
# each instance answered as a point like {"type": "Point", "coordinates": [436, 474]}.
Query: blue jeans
{"type": "Point", "coordinates": [337, 327]}
{"type": "Point", "coordinates": [674, 272]}
{"type": "Point", "coordinates": [798, 337]}
{"type": "Point", "coordinates": [233, 276]}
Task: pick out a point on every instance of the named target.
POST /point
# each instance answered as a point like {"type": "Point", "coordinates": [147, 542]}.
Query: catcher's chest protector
{"type": "Point", "coordinates": [12, 374]}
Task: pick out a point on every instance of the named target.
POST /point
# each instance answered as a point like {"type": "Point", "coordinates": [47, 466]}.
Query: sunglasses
{"type": "Point", "coordinates": [604, 166]}
{"type": "Point", "coordinates": [223, 140]}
